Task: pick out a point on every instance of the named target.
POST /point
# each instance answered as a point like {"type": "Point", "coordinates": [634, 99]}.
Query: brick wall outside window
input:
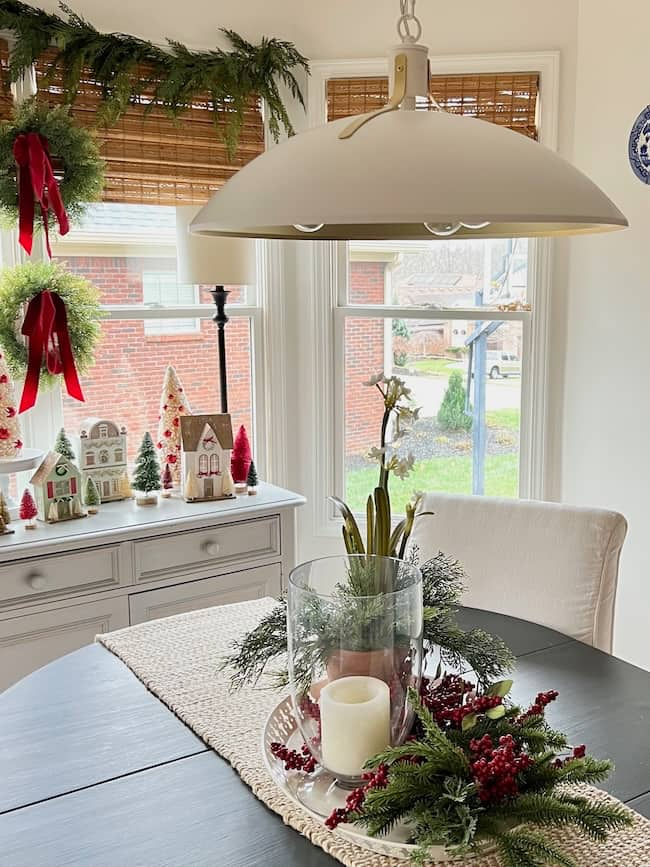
{"type": "Point", "coordinates": [126, 381]}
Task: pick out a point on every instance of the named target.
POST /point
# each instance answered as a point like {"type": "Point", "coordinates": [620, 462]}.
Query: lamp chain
{"type": "Point", "coordinates": [408, 19]}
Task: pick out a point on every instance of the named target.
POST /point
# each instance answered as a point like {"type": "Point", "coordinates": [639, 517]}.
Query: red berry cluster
{"type": "Point", "coordinates": [451, 700]}
{"type": "Point", "coordinates": [578, 753]}
{"type": "Point", "coordinates": [538, 707]}
{"type": "Point", "coordinates": [496, 769]}
{"type": "Point", "coordinates": [293, 760]}
{"type": "Point", "coordinates": [374, 780]}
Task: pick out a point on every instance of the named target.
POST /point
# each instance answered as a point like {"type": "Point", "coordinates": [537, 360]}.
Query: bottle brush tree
{"type": "Point", "coordinates": [251, 480]}
{"type": "Point", "coordinates": [452, 415]}
{"type": "Point", "coordinates": [28, 510]}
{"type": "Point", "coordinates": [91, 495]}
{"type": "Point", "coordinates": [240, 460]}
{"type": "Point", "coordinates": [10, 441]}
{"type": "Point", "coordinates": [63, 446]}
{"type": "Point", "coordinates": [4, 509]}
{"type": "Point", "coordinates": [147, 469]}
{"type": "Point", "coordinates": [173, 405]}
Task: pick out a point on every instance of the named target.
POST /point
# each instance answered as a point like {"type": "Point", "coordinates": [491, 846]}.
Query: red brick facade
{"type": "Point", "coordinates": [364, 356]}
{"type": "Point", "coordinates": [126, 381]}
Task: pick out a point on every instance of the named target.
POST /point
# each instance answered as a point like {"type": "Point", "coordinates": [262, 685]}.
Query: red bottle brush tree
{"type": "Point", "coordinates": [167, 481]}
{"type": "Point", "coordinates": [240, 460]}
{"type": "Point", "coordinates": [28, 510]}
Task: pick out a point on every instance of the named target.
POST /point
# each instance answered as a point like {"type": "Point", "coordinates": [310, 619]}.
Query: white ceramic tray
{"type": "Point", "coordinates": [319, 798]}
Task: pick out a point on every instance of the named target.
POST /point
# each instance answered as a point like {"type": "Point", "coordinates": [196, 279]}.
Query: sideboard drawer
{"type": "Point", "coordinates": [234, 587]}
{"type": "Point", "coordinates": [41, 578]}
{"type": "Point", "coordinates": [197, 552]}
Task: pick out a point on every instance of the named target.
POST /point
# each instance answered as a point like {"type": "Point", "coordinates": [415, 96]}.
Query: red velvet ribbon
{"type": "Point", "coordinates": [36, 182]}
{"type": "Point", "coordinates": [46, 327]}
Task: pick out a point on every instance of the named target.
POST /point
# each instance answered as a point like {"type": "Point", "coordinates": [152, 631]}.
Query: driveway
{"type": "Point", "coordinates": [428, 392]}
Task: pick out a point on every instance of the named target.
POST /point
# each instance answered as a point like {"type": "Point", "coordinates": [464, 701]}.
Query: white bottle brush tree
{"type": "Point", "coordinates": [10, 439]}
{"type": "Point", "coordinates": [173, 404]}
{"type": "Point", "coordinates": [63, 446]}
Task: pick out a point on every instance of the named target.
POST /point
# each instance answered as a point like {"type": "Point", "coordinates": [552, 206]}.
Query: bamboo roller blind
{"type": "Point", "coordinates": [150, 157]}
{"type": "Point", "coordinates": [506, 99]}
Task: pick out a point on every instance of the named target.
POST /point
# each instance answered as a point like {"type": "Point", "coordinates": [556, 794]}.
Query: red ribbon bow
{"type": "Point", "coordinates": [46, 319]}
{"type": "Point", "coordinates": [36, 181]}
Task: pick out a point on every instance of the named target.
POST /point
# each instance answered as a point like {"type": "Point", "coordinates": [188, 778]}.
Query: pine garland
{"type": "Point", "coordinates": [178, 75]}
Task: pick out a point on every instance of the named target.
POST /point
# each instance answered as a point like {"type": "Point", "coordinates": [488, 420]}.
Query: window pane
{"type": "Point", "coordinates": [162, 289]}
{"type": "Point", "coordinates": [129, 253]}
{"type": "Point", "coordinates": [433, 359]}
{"type": "Point", "coordinates": [438, 274]}
{"type": "Point", "coordinates": [126, 382]}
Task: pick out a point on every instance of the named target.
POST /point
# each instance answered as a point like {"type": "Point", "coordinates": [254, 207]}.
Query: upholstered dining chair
{"type": "Point", "coordinates": [552, 564]}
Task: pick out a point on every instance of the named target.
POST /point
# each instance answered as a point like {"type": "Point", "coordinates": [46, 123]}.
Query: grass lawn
{"type": "Point", "coordinates": [453, 475]}
{"type": "Point", "coordinates": [434, 366]}
{"type": "Point", "coordinates": [503, 418]}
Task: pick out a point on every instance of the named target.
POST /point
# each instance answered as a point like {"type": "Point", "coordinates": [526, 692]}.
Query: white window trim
{"type": "Point", "coordinates": [329, 271]}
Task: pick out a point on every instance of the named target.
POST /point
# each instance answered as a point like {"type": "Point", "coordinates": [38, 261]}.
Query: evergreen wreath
{"type": "Point", "coordinates": [177, 74]}
{"type": "Point", "coordinates": [20, 284]}
{"type": "Point", "coordinates": [73, 148]}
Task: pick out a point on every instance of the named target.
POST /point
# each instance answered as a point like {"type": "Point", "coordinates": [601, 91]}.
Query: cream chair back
{"type": "Point", "coordinates": [552, 564]}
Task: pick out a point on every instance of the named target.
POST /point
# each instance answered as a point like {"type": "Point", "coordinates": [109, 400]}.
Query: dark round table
{"type": "Point", "coordinates": [96, 772]}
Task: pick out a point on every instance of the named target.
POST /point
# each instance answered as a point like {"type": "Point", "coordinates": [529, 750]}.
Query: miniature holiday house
{"type": "Point", "coordinates": [206, 444]}
{"type": "Point", "coordinates": [57, 487]}
{"type": "Point", "coordinates": [102, 457]}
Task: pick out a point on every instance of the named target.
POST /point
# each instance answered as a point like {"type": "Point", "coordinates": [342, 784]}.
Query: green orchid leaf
{"type": "Point", "coordinates": [496, 712]}
{"type": "Point", "coordinates": [469, 721]}
{"type": "Point", "coordinates": [500, 688]}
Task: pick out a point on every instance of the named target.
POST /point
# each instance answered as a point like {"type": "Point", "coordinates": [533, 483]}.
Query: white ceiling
{"type": "Point", "coordinates": [326, 29]}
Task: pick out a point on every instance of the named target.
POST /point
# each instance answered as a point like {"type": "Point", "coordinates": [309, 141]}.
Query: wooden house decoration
{"type": "Point", "coordinates": [102, 457]}
{"type": "Point", "coordinates": [206, 443]}
{"type": "Point", "coordinates": [57, 489]}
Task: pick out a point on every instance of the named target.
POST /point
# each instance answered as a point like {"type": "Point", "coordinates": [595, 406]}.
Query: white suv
{"type": "Point", "coordinates": [502, 364]}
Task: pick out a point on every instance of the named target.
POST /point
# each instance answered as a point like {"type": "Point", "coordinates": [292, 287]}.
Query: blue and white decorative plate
{"type": "Point", "coordinates": [639, 146]}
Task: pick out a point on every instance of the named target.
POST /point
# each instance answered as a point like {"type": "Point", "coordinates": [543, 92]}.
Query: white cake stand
{"type": "Point", "coordinates": [28, 459]}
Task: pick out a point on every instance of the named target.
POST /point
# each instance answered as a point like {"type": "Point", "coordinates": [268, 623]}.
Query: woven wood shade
{"type": "Point", "coordinates": [506, 99]}
{"type": "Point", "coordinates": [150, 157]}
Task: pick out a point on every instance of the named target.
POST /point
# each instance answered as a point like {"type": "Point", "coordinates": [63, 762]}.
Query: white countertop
{"type": "Point", "coordinates": [127, 519]}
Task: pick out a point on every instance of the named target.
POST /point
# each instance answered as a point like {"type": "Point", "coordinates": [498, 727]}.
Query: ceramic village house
{"type": "Point", "coordinates": [206, 444]}
{"type": "Point", "coordinates": [57, 489]}
{"type": "Point", "coordinates": [102, 456]}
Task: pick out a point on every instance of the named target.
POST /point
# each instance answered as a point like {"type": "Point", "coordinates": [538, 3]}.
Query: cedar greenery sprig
{"type": "Point", "coordinates": [465, 786]}
{"type": "Point", "coordinates": [265, 646]}
{"type": "Point", "coordinates": [232, 79]}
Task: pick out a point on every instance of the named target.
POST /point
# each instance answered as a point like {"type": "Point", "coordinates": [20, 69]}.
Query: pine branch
{"type": "Point", "coordinates": [524, 848]}
{"type": "Point", "coordinates": [178, 76]}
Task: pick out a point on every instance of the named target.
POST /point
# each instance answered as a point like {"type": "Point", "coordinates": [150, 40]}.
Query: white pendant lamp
{"type": "Point", "coordinates": [405, 174]}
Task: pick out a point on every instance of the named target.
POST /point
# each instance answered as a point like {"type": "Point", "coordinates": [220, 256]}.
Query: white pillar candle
{"type": "Point", "coordinates": [355, 723]}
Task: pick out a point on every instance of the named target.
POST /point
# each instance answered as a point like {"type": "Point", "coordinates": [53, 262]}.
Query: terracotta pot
{"type": "Point", "coordinates": [384, 664]}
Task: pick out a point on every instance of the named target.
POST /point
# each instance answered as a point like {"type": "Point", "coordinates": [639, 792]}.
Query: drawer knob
{"type": "Point", "coordinates": [211, 548]}
{"type": "Point", "coordinates": [37, 581]}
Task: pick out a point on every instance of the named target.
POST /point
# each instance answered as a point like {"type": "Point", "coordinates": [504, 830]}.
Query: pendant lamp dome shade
{"type": "Point", "coordinates": [408, 175]}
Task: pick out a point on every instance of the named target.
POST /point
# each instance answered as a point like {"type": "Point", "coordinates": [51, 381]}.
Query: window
{"type": "Point", "coordinates": [119, 456]}
{"type": "Point", "coordinates": [161, 289]}
{"type": "Point", "coordinates": [137, 341]}
{"type": "Point", "coordinates": [62, 489]}
{"type": "Point", "coordinates": [90, 459]}
{"type": "Point", "coordinates": [103, 431]}
{"type": "Point", "coordinates": [203, 465]}
{"type": "Point", "coordinates": [435, 311]}
{"type": "Point", "coordinates": [214, 465]}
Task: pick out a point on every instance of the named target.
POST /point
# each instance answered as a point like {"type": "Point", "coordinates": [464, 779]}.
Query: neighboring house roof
{"type": "Point", "coordinates": [438, 289]}
{"type": "Point", "coordinates": [50, 461]}
{"type": "Point", "coordinates": [192, 426]}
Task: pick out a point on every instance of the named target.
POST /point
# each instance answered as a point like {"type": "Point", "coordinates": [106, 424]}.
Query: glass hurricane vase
{"type": "Point", "coordinates": [355, 648]}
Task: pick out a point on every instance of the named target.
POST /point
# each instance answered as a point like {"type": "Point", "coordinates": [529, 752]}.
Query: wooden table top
{"type": "Point", "coordinates": [96, 772]}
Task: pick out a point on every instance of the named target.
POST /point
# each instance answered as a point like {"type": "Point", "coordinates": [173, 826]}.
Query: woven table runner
{"type": "Point", "coordinates": [177, 659]}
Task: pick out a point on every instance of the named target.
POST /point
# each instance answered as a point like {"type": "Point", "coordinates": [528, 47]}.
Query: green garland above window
{"type": "Point", "coordinates": [229, 78]}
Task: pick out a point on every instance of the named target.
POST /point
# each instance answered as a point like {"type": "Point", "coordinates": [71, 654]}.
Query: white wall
{"type": "Point", "coordinates": [606, 415]}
